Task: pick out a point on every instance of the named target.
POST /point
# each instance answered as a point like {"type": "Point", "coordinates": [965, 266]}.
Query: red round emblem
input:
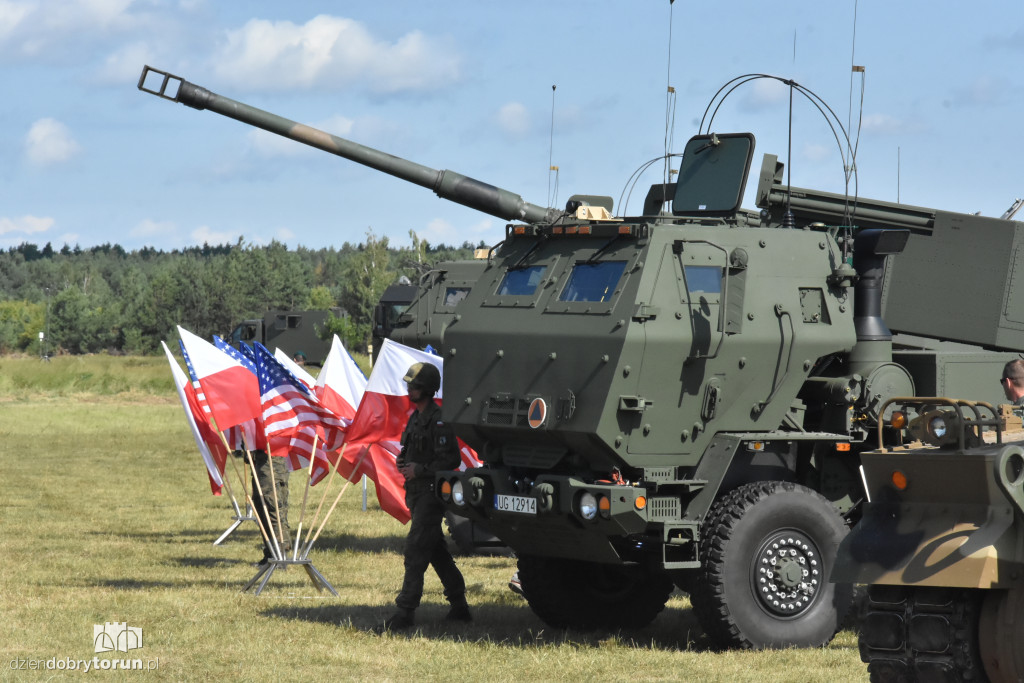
{"type": "Point", "coordinates": [538, 411]}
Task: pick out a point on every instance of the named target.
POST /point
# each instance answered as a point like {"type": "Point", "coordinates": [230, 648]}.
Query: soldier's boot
{"type": "Point", "coordinates": [459, 610]}
{"type": "Point", "coordinates": [399, 621]}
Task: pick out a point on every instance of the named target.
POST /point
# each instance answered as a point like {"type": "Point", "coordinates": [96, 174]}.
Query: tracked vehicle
{"type": "Point", "coordinates": [679, 398]}
{"type": "Point", "coordinates": [942, 544]}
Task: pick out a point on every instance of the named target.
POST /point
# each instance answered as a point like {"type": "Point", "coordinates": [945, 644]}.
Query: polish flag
{"type": "Point", "coordinates": [340, 384]}
{"type": "Point", "coordinates": [211, 447]}
{"type": "Point", "coordinates": [376, 430]}
{"type": "Point", "coordinates": [231, 390]}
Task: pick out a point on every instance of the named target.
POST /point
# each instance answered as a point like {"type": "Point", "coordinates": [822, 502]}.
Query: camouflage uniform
{"type": "Point", "coordinates": [431, 445]}
{"type": "Point", "coordinates": [264, 465]}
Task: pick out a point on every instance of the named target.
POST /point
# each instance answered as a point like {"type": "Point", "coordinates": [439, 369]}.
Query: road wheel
{"type": "Point", "coordinates": [1001, 634]}
{"type": "Point", "coordinates": [766, 552]}
{"type": "Point", "coordinates": [918, 633]}
{"type": "Point", "coordinates": [588, 596]}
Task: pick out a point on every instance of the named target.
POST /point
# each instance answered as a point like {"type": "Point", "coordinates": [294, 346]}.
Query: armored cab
{"type": "Point", "coordinates": [680, 398]}
{"type": "Point", "coordinates": [941, 544]}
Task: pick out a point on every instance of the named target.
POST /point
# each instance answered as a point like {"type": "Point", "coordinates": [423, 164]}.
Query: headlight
{"type": "Point", "coordinates": [588, 506]}
{"type": "Point", "coordinates": [937, 426]}
{"type": "Point", "coordinates": [458, 495]}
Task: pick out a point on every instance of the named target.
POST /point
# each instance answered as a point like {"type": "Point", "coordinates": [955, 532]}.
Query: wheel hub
{"type": "Point", "coordinates": [787, 573]}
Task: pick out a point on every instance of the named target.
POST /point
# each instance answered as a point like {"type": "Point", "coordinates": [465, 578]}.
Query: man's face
{"type": "Point", "coordinates": [415, 393]}
{"type": "Point", "coordinates": [1011, 390]}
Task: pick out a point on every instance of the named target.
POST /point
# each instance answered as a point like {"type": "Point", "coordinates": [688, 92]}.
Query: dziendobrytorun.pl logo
{"type": "Point", "coordinates": [115, 636]}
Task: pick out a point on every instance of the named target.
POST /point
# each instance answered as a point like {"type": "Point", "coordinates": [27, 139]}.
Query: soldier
{"type": "Point", "coordinates": [428, 445]}
{"type": "Point", "coordinates": [270, 472]}
{"type": "Point", "coordinates": [1013, 381]}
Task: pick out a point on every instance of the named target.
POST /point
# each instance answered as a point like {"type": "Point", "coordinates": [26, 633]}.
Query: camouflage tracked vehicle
{"type": "Point", "coordinates": [680, 397]}
{"type": "Point", "coordinates": [942, 544]}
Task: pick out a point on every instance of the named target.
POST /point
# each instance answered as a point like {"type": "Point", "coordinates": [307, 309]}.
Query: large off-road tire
{"type": "Point", "coordinates": [766, 552]}
{"type": "Point", "coordinates": [589, 596]}
{"type": "Point", "coordinates": [920, 633]}
{"type": "Point", "coordinates": [1001, 634]}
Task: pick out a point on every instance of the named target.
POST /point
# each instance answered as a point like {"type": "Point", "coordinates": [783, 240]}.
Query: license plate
{"type": "Point", "coordinates": [522, 504]}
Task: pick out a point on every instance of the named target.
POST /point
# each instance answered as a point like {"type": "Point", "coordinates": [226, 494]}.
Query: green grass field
{"type": "Point", "coordinates": [107, 517]}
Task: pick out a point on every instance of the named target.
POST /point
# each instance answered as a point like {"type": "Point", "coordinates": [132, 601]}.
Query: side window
{"type": "Point", "coordinates": [593, 281]}
{"type": "Point", "coordinates": [453, 295]}
{"type": "Point", "coordinates": [521, 282]}
{"type": "Point", "coordinates": [704, 279]}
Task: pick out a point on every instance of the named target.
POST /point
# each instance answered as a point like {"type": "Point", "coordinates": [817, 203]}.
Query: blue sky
{"type": "Point", "coordinates": [466, 85]}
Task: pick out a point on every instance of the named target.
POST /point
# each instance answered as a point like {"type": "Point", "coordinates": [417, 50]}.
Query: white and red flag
{"type": "Point", "coordinates": [211, 447]}
{"type": "Point", "coordinates": [231, 390]}
{"type": "Point", "coordinates": [340, 384]}
{"type": "Point", "coordinates": [294, 368]}
{"type": "Point", "coordinates": [293, 418]}
{"type": "Point", "coordinates": [376, 430]}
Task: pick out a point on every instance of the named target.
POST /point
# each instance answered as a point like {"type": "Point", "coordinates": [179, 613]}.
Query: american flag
{"type": "Point", "coordinates": [293, 417]}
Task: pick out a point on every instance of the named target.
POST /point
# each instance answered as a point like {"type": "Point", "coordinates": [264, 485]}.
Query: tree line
{"type": "Point", "coordinates": [107, 299]}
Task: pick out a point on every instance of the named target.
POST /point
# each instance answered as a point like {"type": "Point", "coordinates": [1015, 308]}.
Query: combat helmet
{"type": "Point", "coordinates": [424, 376]}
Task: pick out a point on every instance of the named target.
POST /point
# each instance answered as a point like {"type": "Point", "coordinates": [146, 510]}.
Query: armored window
{"type": "Point", "coordinates": [521, 282]}
{"type": "Point", "coordinates": [593, 281]}
{"type": "Point", "coordinates": [453, 295]}
{"type": "Point", "coordinates": [704, 279]}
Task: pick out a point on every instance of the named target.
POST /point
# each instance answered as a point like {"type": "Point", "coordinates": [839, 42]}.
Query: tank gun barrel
{"type": "Point", "coordinates": [446, 184]}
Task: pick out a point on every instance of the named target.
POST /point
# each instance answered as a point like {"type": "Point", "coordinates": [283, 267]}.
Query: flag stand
{"type": "Point", "coordinates": [267, 570]}
{"type": "Point", "coordinates": [238, 518]}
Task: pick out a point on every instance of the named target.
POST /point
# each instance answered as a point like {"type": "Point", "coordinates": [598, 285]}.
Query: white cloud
{"type": "Point", "coordinates": [440, 231]}
{"type": "Point", "coordinates": [151, 228]}
{"type": "Point", "coordinates": [514, 119]}
{"type": "Point", "coordinates": [26, 225]}
{"type": "Point", "coordinates": [123, 65]}
{"type": "Point", "coordinates": [817, 153]}
{"type": "Point", "coordinates": [285, 234]}
{"type": "Point", "coordinates": [204, 234]}
{"type": "Point", "coordinates": [34, 28]}
{"type": "Point", "coordinates": [764, 93]}
{"type": "Point", "coordinates": [50, 142]}
{"type": "Point", "coordinates": [332, 52]}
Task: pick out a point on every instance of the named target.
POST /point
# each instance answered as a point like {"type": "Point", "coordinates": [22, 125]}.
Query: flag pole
{"type": "Point", "coordinates": [263, 501]}
{"type": "Point", "coordinates": [248, 498]}
{"type": "Point", "coordinates": [328, 515]}
{"type": "Point", "coordinates": [327, 486]}
{"type": "Point", "coordinates": [305, 495]}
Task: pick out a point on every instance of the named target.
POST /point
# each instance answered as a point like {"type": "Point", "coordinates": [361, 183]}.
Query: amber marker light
{"type": "Point", "coordinates": [844, 447]}
{"type": "Point", "coordinates": [446, 490]}
{"type": "Point", "coordinates": [898, 420]}
{"type": "Point", "coordinates": [625, 229]}
{"type": "Point", "coordinates": [604, 506]}
{"type": "Point", "coordinates": [557, 230]}
{"type": "Point", "coordinates": [640, 503]}
{"type": "Point", "coordinates": [899, 480]}
{"type": "Point", "coordinates": [584, 229]}
{"type": "Point", "coordinates": [520, 230]}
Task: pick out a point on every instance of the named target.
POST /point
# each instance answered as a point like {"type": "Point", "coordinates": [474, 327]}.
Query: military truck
{"type": "Point", "coordinates": [418, 315]}
{"type": "Point", "coordinates": [679, 398]}
{"type": "Point", "coordinates": [292, 331]}
{"type": "Point", "coordinates": [941, 542]}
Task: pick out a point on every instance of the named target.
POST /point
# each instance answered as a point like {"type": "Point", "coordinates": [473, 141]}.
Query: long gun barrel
{"type": "Point", "coordinates": [446, 184]}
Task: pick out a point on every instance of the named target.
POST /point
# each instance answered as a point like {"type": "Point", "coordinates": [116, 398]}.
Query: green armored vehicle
{"type": "Point", "coordinates": [941, 542]}
{"type": "Point", "coordinates": [679, 398]}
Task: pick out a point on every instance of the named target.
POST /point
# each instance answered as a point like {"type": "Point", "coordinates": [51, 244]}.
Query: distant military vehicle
{"type": "Point", "coordinates": [418, 315]}
{"type": "Point", "coordinates": [292, 331]}
{"type": "Point", "coordinates": [941, 542]}
{"type": "Point", "coordinates": [680, 397]}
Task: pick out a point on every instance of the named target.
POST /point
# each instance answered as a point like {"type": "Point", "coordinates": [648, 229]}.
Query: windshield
{"type": "Point", "coordinates": [593, 281]}
{"type": "Point", "coordinates": [521, 282]}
